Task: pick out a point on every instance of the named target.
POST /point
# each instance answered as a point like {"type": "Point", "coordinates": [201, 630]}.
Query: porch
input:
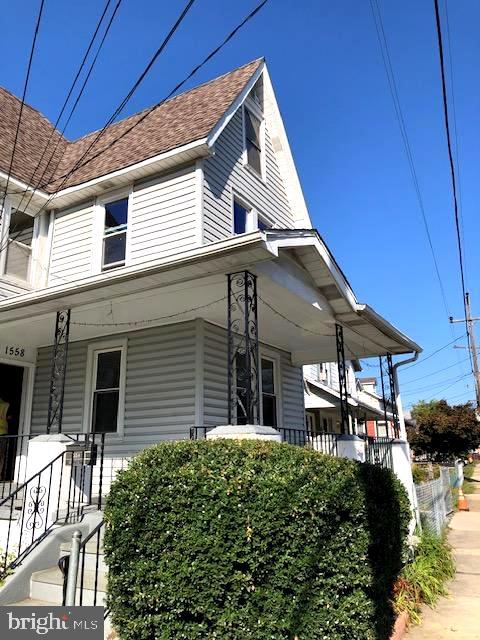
{"type": "Point", "coordinates": [216, 336]}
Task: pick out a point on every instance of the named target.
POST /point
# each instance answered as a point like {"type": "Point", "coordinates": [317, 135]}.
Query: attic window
{"type": "Point", "coordinates": [253, 140]}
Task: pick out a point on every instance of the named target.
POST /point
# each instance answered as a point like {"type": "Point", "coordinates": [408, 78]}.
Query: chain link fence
{"type": "Point", "coordinates": [435, 499]}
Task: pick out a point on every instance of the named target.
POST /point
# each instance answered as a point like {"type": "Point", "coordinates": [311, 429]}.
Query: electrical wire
{"type": "Point", "coordinates": [382, 39]}
{"type": "Point", "coordinates": [451, 163]}
{"type": "Point", "coordinates": [433, 353]}
{"type": "Point", "coordinates": [437, 384]}
{"type": "Point", "coordinates": [80, 163]}
{"type": "Point", "coordinates": [22, 103]}
{"type": "Point", "coordinates": [77, 100]}
{"type": "Point", "coordinates": [432, 373]}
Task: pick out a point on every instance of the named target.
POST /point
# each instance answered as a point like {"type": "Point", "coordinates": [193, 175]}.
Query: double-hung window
{"type": "Point", "coordinates": [269, 393]}
{"type": "Point", "coordinates": [115, 234]}
{"type": "Point", "coordinates": [107, 384]}
{"type": "Point", "coordinates": [19, 248]}
{"type": "Point", "coordinates": [241, 217]}
{"type": "Point", "coordinates": [253, 140]}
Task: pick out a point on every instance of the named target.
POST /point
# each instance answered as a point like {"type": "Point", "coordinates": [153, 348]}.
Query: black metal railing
{"type": "Point", "coordinates": [13, 462]}
{"type": "Point", "coordinates": [84, 564]}
{"type": "Point", "coordinates": [378, 450]}
{"type": "Point", "coordinates": [57, 493]}
{"type": "Point", "coordinates": [321, 441]}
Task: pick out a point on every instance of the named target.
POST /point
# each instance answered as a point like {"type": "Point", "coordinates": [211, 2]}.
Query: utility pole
{"type": "Point", "coordinates": [473, 344]}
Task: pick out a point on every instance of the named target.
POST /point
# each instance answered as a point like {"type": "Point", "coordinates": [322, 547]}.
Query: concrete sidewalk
{"type": "Point", "coordinates": [458, 616]}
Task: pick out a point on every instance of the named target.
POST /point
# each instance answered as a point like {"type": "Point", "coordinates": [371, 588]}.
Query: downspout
{"type": "Point", "coordinates": [401, 417]}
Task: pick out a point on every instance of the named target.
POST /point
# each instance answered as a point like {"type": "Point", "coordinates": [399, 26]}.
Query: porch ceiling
{"type": "Point", "coordinates": [297, 308]}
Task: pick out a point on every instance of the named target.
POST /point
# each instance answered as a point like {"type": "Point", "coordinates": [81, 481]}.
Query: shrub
{"type": "Point", "coordinates": [424, 579]}
{"type": "Point", "coordinates": [252, 540]}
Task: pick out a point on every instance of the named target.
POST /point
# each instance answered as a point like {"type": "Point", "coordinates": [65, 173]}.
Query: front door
{"type": "Point", "coordinates": [11, 387]}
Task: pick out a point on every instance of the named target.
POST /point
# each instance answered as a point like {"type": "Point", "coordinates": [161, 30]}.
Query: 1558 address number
{"type": "Point", "coordinates": [19, 352]}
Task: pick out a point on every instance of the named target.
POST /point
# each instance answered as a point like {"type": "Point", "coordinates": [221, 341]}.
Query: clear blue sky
{"type": "Point", "coordinates": [326, 66]}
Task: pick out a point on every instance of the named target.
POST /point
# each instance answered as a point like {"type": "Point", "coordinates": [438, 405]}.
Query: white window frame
{"type": "Point", "coordinates": [4, 232]}
{"type": "Point", "coordinates": [277, 379]}
{"type": "Point", "coordinates": [253, 215]}
{"type": "Point", "coordinates": [94, 348]}
{"type": "Point", "coordinates": [254, 109]}
{"type": "Point", "coordinates": [99, 228]}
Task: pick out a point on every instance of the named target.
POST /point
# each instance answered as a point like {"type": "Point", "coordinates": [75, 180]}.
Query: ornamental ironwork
{"type": "Point", "coordinates": [243, 351]}
{"type": "Point", "coordinates": [342, 380]}
{"type": "Point", "coordinates": [36, 508]}
{"type": "Point", "coordinates": [58, 371]}
{"type": "Point", "coordinates": [393, 395]}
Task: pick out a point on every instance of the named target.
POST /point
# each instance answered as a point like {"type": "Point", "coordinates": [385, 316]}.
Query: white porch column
{"type": "Point", "coordinates": [244, 432]}
{"type": "Point", "coordinates": [352, 447]}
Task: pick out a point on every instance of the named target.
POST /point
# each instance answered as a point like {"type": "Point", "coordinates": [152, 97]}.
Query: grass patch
{"type": "Point", "coordinates": [423, 580]}
{"type": "Point", "coordinates": [469, 484]}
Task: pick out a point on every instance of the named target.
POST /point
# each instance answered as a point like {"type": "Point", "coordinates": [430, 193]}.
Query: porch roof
{"type": "Point", "coordinates": [302, 294]}
{"type": "Point", "coordinates": [321, 396]}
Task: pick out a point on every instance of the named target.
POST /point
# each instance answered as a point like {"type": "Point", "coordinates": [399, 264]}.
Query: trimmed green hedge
{"type": "Point", "coordinates": [252, 541]}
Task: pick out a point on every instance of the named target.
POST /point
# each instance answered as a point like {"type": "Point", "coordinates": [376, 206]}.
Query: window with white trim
{"type": "Point", "coordinates": [269, 393]}
{"type": "Point", "coordinates": [108, 384]}
{"type": "Point", "coordinates": [253, 140]}
{"type": "Point", "coordinates": [18, 261]}
{"type": "Point", "coordinates": [115, 234]}
{"type": "Point", "coordinates": [246, 218]}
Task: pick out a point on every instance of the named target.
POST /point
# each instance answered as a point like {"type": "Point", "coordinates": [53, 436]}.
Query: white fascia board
{"type": "Point", "coordinates": [307, 237]}
{"type": "Point", "coordinates": [199, 145]}
{"type": "Point", "coordinates": [293, 185]}
{"type": "Point", "coordinates": [386, 328]}
{"type": "Point", "coordinates": [244, 242]}
{"type": "Point", "coordinates": [232, 109]}
{"type": "Point", "coordinates": [22, 186]}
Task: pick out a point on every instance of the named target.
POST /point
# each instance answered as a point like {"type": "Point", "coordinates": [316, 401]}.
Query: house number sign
{"type": "Point", "coordinates": [17, 352]}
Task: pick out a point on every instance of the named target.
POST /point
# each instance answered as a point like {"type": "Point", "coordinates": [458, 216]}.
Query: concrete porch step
{"type": "Point", "coordinates": [90, 556]}
{"type": "Point", "coordinates": [16, 510]}
{"type": "Point", "coordinates": [48, 585]}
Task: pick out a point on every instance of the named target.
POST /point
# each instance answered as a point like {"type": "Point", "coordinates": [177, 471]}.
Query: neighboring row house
{"type": "Point", "coordinates": [370, 409]}
{"type": "Point", "coordinates": [163, 280]}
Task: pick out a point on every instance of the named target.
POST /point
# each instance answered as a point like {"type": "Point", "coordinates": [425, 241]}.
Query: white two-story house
{"type": "Point", "coordinates": [166, 275]}
{"type": "Point", "coordinates": [370, 412]}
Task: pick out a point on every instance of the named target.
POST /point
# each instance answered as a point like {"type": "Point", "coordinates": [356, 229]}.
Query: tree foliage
{"type": "Point", "coordinates": [230, 540]}
{"type": "Point", "coordinates": [442, 431]}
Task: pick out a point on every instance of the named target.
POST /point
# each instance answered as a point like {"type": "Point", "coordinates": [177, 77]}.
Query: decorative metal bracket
{"type": "Point", "coordinates": [58, 371]}
{"type": "Point", "coordinates": [342, 380]}
{"type": "Point", "coordinates": [393, 396]}
{"type": "Point", "coordinates": [243, 351]}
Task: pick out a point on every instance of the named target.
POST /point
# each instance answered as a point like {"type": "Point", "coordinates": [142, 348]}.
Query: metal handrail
{"type": "Point", "coordinates": [41, 490]}
{"type": "Point", "coordinates": [73, 568]}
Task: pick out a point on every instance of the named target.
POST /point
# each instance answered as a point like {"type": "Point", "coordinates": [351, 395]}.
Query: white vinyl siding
{"type": "Point", "coordinates": [159, 389]}
{"type": "Point", "coordinates": [290, 412]}
{"type": "Point", "coordinates": [225, 174]}
{"type": "Point", "coordinates": [163, 218]}
{"type": "Point", "coordinates": [72, 248]}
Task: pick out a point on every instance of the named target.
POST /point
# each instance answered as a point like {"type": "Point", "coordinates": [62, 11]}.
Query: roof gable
{"type": "Point", "coordinates": [180, 120]}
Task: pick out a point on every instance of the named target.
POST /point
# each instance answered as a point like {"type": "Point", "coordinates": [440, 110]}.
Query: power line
{"type": "Point", "coordinates": [432, 374]}
{"type": "Point", "coordinates": [69, 94]}
{"type": "Point", "coordinates": [450, 158]}
{"type": "Point", "coordinates": [78, 164]}
{"type": "Point", "coordinates": [194, 71]}
{"type": "Point", "coordinates": [22, 103]}
{"type": "Point", "coordinates": [437, 384]}
{"type": "Point", "coordinates": [382, 39]}
{"type": "Point", "coordinates": [434, 353]}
